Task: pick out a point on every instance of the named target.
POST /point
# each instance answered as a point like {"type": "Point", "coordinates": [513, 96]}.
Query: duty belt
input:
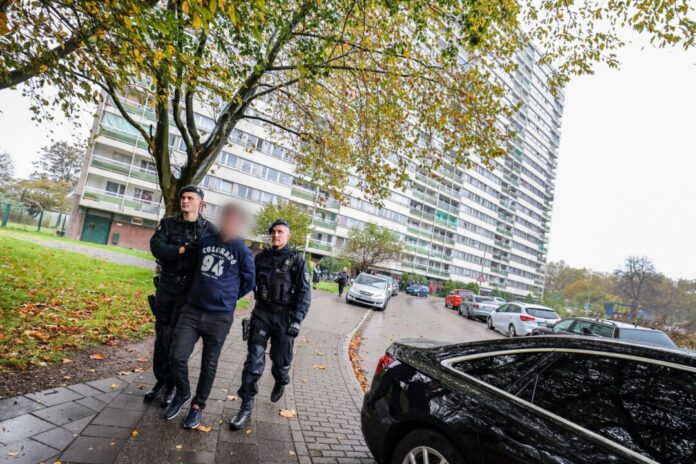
{"type": "Point", "coordinates": [275, 309]}
{"type": "Point", "coordinates": [176, 278]}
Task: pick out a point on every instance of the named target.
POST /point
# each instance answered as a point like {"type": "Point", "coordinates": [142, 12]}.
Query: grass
{"type": "Point", "coordinates": [328, 287]}
{"type": "Point", "coordinates": [16, 230]}
{"type": "Point", "coordinates": [54, 301]}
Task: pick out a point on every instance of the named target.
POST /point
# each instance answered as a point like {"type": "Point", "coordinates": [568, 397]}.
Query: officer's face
{"type": "Point", "coordinates": [280, 236]}
{"type": "Point", "coordinates": [190, 202]}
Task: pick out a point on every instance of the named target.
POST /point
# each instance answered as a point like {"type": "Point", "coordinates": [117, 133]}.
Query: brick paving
{"type": "Point", "coordinates": [106, 421]}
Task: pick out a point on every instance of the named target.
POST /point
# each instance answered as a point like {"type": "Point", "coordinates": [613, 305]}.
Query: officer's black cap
{"type": "Point", "coordinates": [191, 188]}
{"type": "Point", "coordinates": [279, 222]}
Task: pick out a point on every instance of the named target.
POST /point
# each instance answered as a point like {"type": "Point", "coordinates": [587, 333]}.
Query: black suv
{"type": "Point", "coordinates": [607, 328]}
{"type": "Point", "coordinates": [570, 400]}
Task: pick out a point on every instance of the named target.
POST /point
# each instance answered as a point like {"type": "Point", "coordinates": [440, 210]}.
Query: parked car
{"type": "Point", "coordinates": [571, 400]}
{"type": "Point", "coordinates": [369, 290]}
{"type": "Point", "coordinates": [456, 297]}
{"type": "Point", "coordinates": [477, 306]}
{"type": "Point", "coordinates": [393, 285]}
{"type": "Point", "coordinates": [499, 300]}
{"type": "Point", "coordinates": [418, 290]}
{"type": "Point", "coordinates": [607, 328]}
{"type": "Point", "coordinates": [521, 318]}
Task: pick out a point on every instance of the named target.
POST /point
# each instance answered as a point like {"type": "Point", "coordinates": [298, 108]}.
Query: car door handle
{"type": "Point", "coordinates": [527, 450]}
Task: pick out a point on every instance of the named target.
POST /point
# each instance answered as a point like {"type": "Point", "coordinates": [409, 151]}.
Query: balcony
{"type": "Point", "coordinates": [122, 201]}
{"type": "Point", "coordinates": [503, 231]}
{"type": "Point", "coordinates": [305, 195]}
{"type": "Point", "coordinates": [324, 224]}
{"type": "Point", "coordinates": [319, 245]}
{"type": "Point", "coordinates": [445, 223]}
{"type": "Point", "coordinates": [443, 239]}
{"type": "Point", "coordinates": [422, 214]}
{"type": "Point", "coordinates": [120, 167]}
{"type": "Point", "coordinates": [121, 136]}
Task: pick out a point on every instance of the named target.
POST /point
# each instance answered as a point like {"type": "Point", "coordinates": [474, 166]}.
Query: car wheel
{"type": "Point", "coordinates": [468, 313]}
{"type": "Point", "coordinates": [489, 322]}
{"type": "Point", "coordinates": [426, 446]}
{"type": "Point", "coordinates": [511, 330]}
{"type": "Point", "coordinates": [458, 309]}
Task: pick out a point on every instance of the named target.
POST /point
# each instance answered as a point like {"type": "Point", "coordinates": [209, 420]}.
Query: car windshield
{"type": "Point", "coordinates": [651, 337]}
{"type": "Point", "coordinates": [372, 281]}
{"type": "Point", "coordinates": [482, 299]}
{"type": "Point", "coordinates": [543, 313]}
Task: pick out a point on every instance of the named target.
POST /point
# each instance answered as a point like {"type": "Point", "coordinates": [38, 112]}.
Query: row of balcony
{"type": "Point", "coordinates": [122, 201]}
{"type": "Point", "coordinates": [127, 169]}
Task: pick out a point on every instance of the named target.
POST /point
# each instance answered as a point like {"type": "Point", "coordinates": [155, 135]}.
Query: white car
{"type": "Point", "coordinates": [478, 306]}
{"type": "Point", "coordinates": [370, 290]}
{"type": "Point", "coordinates": [521, 318]}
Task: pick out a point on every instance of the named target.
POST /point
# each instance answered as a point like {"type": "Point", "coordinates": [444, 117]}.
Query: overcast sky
{"type": "Point", "coordinates": [626, 179]}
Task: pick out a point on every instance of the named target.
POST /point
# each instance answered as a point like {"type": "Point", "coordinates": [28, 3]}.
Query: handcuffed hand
{"type": "Point", "coordinates": [191, 249]}
{"type": "Point", "coordinates": [294, 329]}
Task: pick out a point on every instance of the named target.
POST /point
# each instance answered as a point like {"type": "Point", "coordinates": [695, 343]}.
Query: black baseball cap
{"type": "Point", "coordinates": [191, 188]}
{"type": "Point", "coordinates": [279, 222]}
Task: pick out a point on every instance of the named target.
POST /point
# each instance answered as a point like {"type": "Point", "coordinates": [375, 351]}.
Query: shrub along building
{"type": "Point", "coordinates": [455, 223]}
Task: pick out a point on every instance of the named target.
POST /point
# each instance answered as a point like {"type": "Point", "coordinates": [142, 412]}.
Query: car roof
{"type": "Point", "coordinates": [618, 324]}
{"type": "Point", "coordinates": [572, 342]}
{"type": "Point", "coordinates": [530, 305]}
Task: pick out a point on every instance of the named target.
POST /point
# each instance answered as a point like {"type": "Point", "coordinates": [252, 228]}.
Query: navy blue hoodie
{"type": "Point", "coordinates": [225, 273]}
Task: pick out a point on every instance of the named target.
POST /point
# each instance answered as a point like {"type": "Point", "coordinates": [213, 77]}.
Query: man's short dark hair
{"type": "Point", "coordinates": [234, 209]}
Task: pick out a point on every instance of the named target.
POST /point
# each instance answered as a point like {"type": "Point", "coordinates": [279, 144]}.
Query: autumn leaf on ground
{"type": "Point", "coordinates": [12, 453]}
{"type": "Point", "coordinates": [292, 453]}
{"type": "Point", "coordinates": [248, 431]}
{"type": "Point", "coordinates": [43, 336]}
{"type": "Point", "coordinates": [319, 353]}
{"type": "Point", "coordinates": [67, 361]}
{"type": "Point", "coordinates": [123, 373]}
{"type": "Point", "coordinates": [231, 397]}
{"type": "Point", "coordinates": [306, 340]}
{"type": "Point", "coordinates": [288, 413]}
{"type": "Point", "coordinates": [319, 366]}
{"type": "Point", "coordinates": [178, 446]}
{"type": "Point", "coordinates": [134, 433]}
{"type": "Point", "coordinates": [143, 360]}
{"type": "Point", "coordinates": [115, 385]}
{"type": "Point", "coordinates": [98, 356]}
{"type": "Point", "coordinates": [204, 428]}
{"type": "Point", "coordinates": [67, 377]}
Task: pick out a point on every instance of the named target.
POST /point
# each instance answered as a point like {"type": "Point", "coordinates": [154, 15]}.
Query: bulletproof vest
{"type": "Point", "coordinates": [179, 233]}
{"type": "Point", "coordinates": [275, 279]}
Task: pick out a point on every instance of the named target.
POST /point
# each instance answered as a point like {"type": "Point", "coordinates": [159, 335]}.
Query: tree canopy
{"type": "Point", "coordinates": [369, 246]}
{"type": "Point", "coordinates": [7, 168]}
{"type": "Point", "coordinates": [300, 222]}
{"type": "Point", "coordinates": [365, 86]}
{"type": "Point", "coordinates": [60, 162]}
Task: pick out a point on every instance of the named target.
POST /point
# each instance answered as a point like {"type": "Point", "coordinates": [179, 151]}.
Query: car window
{"type": "Point", "coordinates": [563, 326]}
{"type": "Point", "coordinates": [646, 407]}
{"type": "Point", "coordinates": [652, 337]}
{"type": "Point", "coordinates": [582, 327]}
{"type": "Point", "coordinates": [602, 330]}
{"type": "Point", "coordinates": [502, 309]}
{"type": "Point", "coordinates": [543, 313]}
{"type": "Point", "coordinates": [513, 309]}
{"type": "Point", "coordinates": [372, 281]}
{"type": "Point", "coordinates": [481, 299]}
{"type": "Point", "coordinates": [501, 370]}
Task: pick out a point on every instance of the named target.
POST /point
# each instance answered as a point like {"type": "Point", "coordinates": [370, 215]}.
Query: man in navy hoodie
{"type": "Point", "coordinates": [225, 273]}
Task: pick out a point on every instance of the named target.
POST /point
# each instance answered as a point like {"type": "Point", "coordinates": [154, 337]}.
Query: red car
{"type": "Point", "coordinates": [455, 298]}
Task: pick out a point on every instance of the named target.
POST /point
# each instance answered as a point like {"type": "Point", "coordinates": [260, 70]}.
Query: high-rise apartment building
{"type": "Point", "coordinates": [456, 223]}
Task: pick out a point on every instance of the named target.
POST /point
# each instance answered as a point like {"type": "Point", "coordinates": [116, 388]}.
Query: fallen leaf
{"type": "Point", "coordinates": [12, 453]}
{"type": "Point", "coordinates": [134, 433]}
{"type": "Point", "coordinates": [288, 413]}
{"type": "Point", "coordinates": [204, 428]}
{"type": "Point", "coordinates": [98, 356]}
{"type": "Point", "coordinates": [143, 360]}
{"type": "Point", "coordinates": [67, 377]}
{"type": "Point", "coordinates": [115, 385]}
{"type": "Point", "coordinates": [178, 446]}
{"type": "Point", "coordinates": [291, 453]}
{"type": "Point", "coordinates": [248, 431]}
{"type": "Point", "coordinates": [319, 353]}
{"type": "Point", "coordinates": [231, 397]}
{"type": "Point", "coordinates": [123, 373]}
{"type": "Point", "coordinates": [319, 366]}
{"type": "Point", "coordinates": [43, 336]}
{"type": "Point", "coordinates": [67, 361]}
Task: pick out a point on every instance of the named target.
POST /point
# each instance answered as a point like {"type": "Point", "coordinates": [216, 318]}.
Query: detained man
{"type": "Point", "coordinates": [225, 272]}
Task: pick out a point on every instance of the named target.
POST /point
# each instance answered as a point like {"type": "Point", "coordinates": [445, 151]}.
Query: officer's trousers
{"type": "Point", "coordinates": [267, 325]}
{"type": "Point", "coordinates": [169, 298]}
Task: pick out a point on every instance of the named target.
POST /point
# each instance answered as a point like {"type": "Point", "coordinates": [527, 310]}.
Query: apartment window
{"type": "Point", "coordinates": [115, 188]}
{"type": "Point", "coordinates": [144, 195]}
{"type": "Point", "coordinates": [146, 165]}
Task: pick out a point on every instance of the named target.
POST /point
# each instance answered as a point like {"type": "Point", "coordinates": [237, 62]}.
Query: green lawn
{"type": "Point", "coordinates": [327, 286]}
{"type": "Point", "coordinates": [53, 301]}
{"type": "Point", "coordinates": [15, 230]}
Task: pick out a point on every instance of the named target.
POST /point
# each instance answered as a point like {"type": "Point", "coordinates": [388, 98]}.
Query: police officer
{"type": "Point", "coordinates": [283, 296]}
{"type": "Point", "coordinates": [175, 246]}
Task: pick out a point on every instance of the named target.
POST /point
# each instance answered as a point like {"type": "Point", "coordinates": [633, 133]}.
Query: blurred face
{"type": "Point", "coordinates": [280, 236]}
{"type": "Point", "coordinates": [232, 225]}
{"type": "Point", "coordinates": [190, 203]}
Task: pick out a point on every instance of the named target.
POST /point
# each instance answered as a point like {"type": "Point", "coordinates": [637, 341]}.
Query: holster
{"type": "Point", "coordinates": [151, 302]}
{"type": "Point", "coordinates": [246, 328]}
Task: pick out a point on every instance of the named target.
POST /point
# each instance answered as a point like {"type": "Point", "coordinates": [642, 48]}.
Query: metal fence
{"type": "Point", "coordinates": [19, 216]}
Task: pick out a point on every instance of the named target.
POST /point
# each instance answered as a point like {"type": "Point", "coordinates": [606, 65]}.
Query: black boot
{"type": "Point", "coordinates": [243, 415]}
{"type": "Point", "coordinates": [154, 392]}
{"type": "Point", "coordinates": [277, 393]}
{"type": "Point", "coordinates": [167, 396]}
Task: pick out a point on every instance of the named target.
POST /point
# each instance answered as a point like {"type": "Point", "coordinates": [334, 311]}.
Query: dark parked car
{"type": "Point", "coordinates": [607, 328]}
{"type": "Point", "coordinates": [418, 290]}
{"type": "Point", "coordinates": [544, 399]}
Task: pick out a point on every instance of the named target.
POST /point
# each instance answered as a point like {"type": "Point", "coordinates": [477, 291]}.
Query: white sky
{"type": "Point", "coordinates": [626, 179]}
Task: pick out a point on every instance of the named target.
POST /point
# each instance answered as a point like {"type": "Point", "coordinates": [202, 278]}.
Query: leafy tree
{"type": "Point", "coordinates": [60, 162]}
{"type": "Point", "coordinates": [359, 80]}
{"type": "Point", "coordinates": [7, 168]}
{"type": "Point", "coordinates": [50, 194]}
{"type": "Point", "coordinates": [332, 265]}
{"type": "Point", "coordinates": [635, 278]}
{"type": "Point", "coordinates": [299, 221]}
{"type": "Point", "coordinates": [450, 285]}
{"type": "Point", "coordinates": [371, 245]}
{"type": "Point", "coordinates": [407, 278]}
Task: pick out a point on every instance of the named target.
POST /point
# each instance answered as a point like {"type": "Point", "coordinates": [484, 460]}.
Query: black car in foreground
{"type": "Point", "coordinates": [545, 399]}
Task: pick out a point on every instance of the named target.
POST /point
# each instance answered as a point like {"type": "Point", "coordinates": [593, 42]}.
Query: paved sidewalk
{"type": "Point", "coordinates": [106, 421]}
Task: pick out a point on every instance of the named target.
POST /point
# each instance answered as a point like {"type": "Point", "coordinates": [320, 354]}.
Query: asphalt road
{"type": "Point", "coordinates": [413, 317]}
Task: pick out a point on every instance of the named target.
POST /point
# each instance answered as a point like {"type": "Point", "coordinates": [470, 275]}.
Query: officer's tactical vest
{"type": "Point", "coordinates": [275, 280]}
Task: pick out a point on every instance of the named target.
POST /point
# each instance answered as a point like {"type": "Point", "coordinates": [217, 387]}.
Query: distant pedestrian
{"type": "Point", "coordinates": [315, 278]}
{"type": "Point", "coordinates": [342, 279]}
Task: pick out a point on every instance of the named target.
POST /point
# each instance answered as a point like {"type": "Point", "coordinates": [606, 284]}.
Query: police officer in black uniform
{"type": "Point", "coordinates": [283, 296]}
{"type": "Point", "coordinates": [175, 246]}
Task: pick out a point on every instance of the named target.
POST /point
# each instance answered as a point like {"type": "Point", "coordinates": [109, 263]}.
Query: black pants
{"type": "Point", "coordinates": [169, 298]}
{"type": "Point", "coordinates": [267, 325]}
{"type": "Point", "coordinates": [341, 286]}
{"type": "Point", "coordinates": [194, 323]}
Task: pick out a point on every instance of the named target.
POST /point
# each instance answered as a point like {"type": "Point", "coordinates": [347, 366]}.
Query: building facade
{"type": "Point", "coordinates": [456, 223]}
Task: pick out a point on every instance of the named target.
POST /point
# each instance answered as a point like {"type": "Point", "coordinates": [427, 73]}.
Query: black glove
{"type": "Point", "coordinates": [293, 329]}
{"type": "Point", "coordinates": [191, 249]}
